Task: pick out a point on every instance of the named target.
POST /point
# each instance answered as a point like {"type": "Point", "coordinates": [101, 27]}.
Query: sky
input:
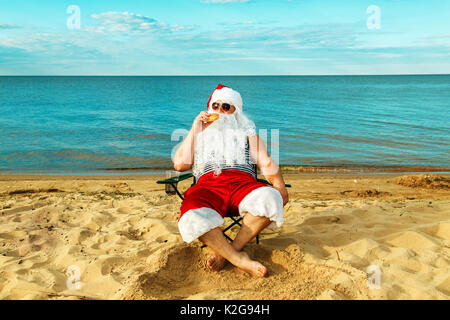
{"type": "Point", "coordinates": [224, 37]}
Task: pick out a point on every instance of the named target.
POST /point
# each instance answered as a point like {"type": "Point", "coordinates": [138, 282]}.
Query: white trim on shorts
{"type": "Point", "coordinates": [196, 222]}
{"type": "Point", "coordinates": [264, 202]}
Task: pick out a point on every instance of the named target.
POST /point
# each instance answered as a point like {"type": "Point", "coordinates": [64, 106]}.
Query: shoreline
{"type": "Point", "coordinates": [303, 170]}
{"type": "Point", "coordinates": [331, 175]}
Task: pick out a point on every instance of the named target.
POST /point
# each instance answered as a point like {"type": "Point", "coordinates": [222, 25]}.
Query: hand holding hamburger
{"type": "Point", "coordinates": [205, 119]}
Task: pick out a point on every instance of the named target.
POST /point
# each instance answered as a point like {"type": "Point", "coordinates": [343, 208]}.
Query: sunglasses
{"type": "Point", "coordinates": [225, 106]}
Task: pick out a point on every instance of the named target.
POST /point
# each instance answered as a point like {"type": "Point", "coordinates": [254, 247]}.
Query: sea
{"type": "Point", "coordinates": [104, 125]}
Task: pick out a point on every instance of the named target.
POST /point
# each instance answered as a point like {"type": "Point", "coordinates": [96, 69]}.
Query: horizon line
{"type": "Point", "coordinates": [235, 75]}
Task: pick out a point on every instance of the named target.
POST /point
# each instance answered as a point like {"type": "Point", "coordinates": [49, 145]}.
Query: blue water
{"type": "Point", "coordinates": [91, 124]}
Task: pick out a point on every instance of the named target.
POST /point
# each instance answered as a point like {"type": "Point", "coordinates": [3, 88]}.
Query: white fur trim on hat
{"type": "Point", "coordinates": [227, 95]}
{"type": "Point", "coordinates": [196, 222]}
{"type": "Point", "coordinates": [264, 202]}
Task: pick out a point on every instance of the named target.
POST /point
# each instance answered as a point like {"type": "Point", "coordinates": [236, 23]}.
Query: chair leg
{"type": "Point", "coordinates": [176, 190]}
{"type": "Point", "coordinates": [234, 222]}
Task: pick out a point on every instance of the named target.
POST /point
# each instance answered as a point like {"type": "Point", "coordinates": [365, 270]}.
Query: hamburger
{"type": "Point", "coordinates": [213, 117]}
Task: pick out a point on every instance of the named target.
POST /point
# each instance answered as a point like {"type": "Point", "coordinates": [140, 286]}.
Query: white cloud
{"type": "Point", "coordinates": [132, 23]}
{"type": "Point", "coordinates": [388, 55]}
{"type": "Point", "coordinates": [8, 26]}
{"type": "Point", "coordinates": [123, 42]}
{"type": "Point", "coordinates": [281, 59]}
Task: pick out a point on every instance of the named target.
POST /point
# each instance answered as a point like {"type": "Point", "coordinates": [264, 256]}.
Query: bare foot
{"type": "Point", "coordinates": [251, 266]}
{"type": "Point", "coordinates": [216, 262]}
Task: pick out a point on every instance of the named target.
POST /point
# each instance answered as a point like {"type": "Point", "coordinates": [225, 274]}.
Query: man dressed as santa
{"type": "Point", "coordinates": [221, 152]}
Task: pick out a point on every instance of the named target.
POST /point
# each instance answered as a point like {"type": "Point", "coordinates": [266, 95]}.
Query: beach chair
{"type": "Point", "coordinates": [171, 188]}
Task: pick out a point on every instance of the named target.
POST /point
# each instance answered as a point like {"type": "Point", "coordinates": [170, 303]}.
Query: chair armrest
{"type": "Point", "coordinates": [181, 177]}
{"type": "Point", "coordinates": [267, 182]}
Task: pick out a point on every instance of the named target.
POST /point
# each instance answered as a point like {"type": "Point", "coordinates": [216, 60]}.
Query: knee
{"type": "Point", "coordinates": [211, 234]}
{"type": "Point", "coordinates": [251, 218]}
{"type": "Point", "coordinates": [262, 201]}
{"type": "Point", "coordinates": [256, 222]}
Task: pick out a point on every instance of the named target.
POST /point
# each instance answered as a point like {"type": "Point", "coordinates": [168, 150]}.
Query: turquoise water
{"type": "Point", "coordinates": [95, 125]}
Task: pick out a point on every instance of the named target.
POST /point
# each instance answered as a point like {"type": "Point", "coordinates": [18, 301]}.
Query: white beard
{"type": "Point", "coordinates": [223, 143]}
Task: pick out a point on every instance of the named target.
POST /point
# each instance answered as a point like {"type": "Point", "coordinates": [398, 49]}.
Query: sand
{"type": "Point", "coordinates": [346, 236]}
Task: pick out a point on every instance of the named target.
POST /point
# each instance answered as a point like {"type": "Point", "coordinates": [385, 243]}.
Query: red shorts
{"type": "Point", "coordinates": [222, 193]}
{"type": "Point", "coordinates": [233, 192]}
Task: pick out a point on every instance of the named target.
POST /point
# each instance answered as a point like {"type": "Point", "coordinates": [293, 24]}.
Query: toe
{"type": "Point", "coordinates": [210, 263]}
{"type": "Point", "coordinates": [262, 271]}
{"type": "Point", "coordinates": [213, 263]}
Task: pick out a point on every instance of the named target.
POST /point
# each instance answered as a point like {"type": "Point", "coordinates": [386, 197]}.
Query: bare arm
{"type": "Point", "coordinates": [268, 167]}
{"type": "Point", "coordinates": [184, 156]}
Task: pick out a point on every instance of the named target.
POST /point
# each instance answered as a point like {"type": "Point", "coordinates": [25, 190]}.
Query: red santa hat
{"type": "Point", "coordinates": [225, 94]}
